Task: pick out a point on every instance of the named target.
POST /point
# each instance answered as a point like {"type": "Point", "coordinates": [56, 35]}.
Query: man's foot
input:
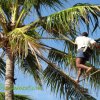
{"type": "Point", "coordinates": [88, 70]}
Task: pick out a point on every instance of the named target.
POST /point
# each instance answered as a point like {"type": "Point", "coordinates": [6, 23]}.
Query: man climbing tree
{"type": "Point", "coordinates": [84, 45]}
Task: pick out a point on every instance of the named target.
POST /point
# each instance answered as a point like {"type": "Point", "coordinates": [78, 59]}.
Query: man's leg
{"type": "Point", "coordinates": [79, 74]}
{"type": "Point", "coordinates": [80, 63]}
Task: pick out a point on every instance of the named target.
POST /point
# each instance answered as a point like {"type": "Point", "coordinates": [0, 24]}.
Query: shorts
{"type": "Point", "coordinates": [81, 54]}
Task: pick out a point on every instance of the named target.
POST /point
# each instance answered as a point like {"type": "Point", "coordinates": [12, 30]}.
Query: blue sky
{"type": "Point", "coordinates": [27, 81]}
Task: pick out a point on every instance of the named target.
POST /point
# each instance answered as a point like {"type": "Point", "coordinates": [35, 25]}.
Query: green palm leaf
{"type": "Point", "coordinates": [37, 4]}
{"type": "Point", "coordinates": [94, 78]}
{"type": "Point", "coordinates": [59, 81]}
{"type": "Point", "coordinates": [95, 58]}
{"type": "Point", "coordinates": [3, 19]}
{"type": "Point", "coordinates": [6, 6]}
{"type": "Point", "coordinates": [16, 97]}
{"type": "Point", "coordinates": [19, 38]}
{"type": "Point", "coordinates": [2, 68]}
{"type": "Point", "coordinates": [98, 40]}
{"type": "Point", "coordinates": [68, 19]}
{"type": "Point", "coordinates": [29, 65]}
{"type": "Point", "coordinates": [2, 16]}
{"type": "Point", "coordinates": [61, 58]}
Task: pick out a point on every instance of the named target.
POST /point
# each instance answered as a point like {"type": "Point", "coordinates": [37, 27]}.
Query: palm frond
{"type": "Point", "coordinates": [3, 19]}
{"type": "Point", "coordinates": [69, 19]}
{"type": "Point", "coordinates": [24, 10]}
{"type": "Point", "coordinates": [50, 3]}
{"type": "Point", "coordinates": [6, 5]}
{"type": "Point", "coordinates": [2, 68]}
{"type": "Point", "coordinates": [29, 65]}
{"type": "Point", "coordinates": [59, 81]}
{"type": "Point", "coordinates": [61, 58]}
{"type": "Point", "coordinates": [37, 4]}
{"type": "Point", "coordinates": [2, 16]}
{"type": "Point", "coordinates": [14, 11]}
{"type": "Point", "coordinates": [98, 40]}
{"type": "Point", "coordinates": [18, 40]}
{"type": "Point", "coordinates": [16, 97]}
{"type": "Point", "coordinates": [95, 58]}
{"type": "Point", "coordinates": [95, 78]}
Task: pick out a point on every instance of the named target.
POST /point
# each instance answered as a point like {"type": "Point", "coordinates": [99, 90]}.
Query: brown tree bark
{"type": "Point", "coordinates": [9, 76]}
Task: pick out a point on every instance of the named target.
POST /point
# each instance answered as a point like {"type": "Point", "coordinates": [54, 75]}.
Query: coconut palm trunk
{"type": "Point", "coordinates": [9, 76]}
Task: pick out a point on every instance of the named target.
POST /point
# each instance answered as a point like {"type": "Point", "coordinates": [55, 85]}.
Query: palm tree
{"type": "Point", "coordinates": [2, 74]}
{"type": "Point", "coordinates": [22, 43]}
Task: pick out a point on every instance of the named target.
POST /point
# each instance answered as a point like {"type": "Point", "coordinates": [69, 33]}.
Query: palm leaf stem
{"type": "Point", "coordinates": [33, 52]}
{"type": "Point", "coordinates": [14, 12]}
{"type": "Point", "coordinates": [34, 25]}
{"type": "Point", "coordinates": [20, 17]}
{"type": "Point", "coordinates": [90, 75]}
{"type": "Point", "coordinates": [53, 66]}
{"type": "Point", "coordinates": [49, 48]}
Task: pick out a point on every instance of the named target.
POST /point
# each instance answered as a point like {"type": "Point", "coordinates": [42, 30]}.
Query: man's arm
{"type": "Point", "coordinates": [94, 43]}
{"type": "Point", "coordinates": [97, 45]}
